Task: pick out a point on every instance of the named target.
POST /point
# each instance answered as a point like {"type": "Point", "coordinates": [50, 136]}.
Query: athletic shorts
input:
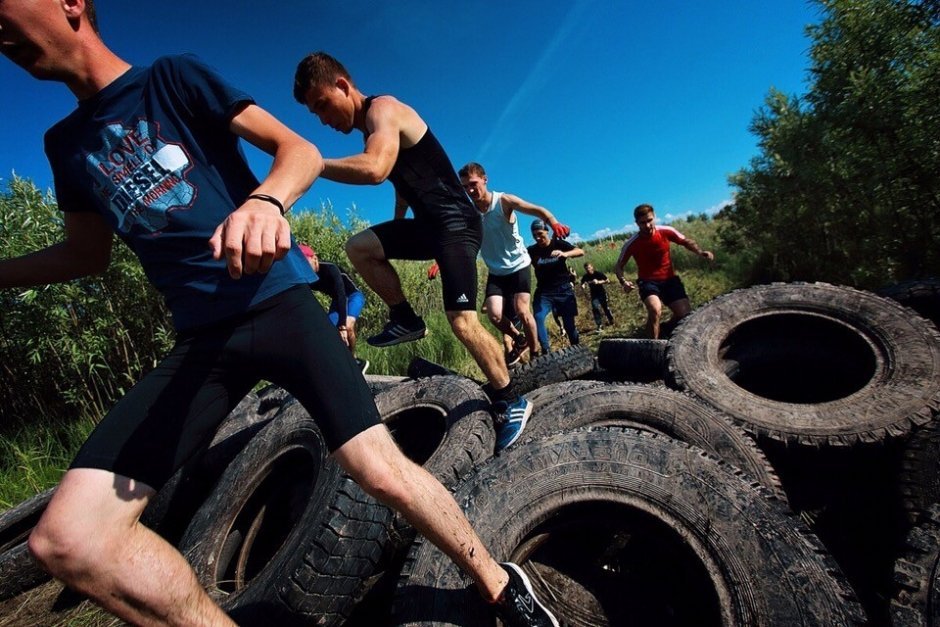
{"type": "Point", "coordinates": [668, 291]}
{"type": "Point", "coordinates": [174, 411]}
{"type": "Point", "coordinates": [518, 282]}
{"type": "Point", "coordinates": [454, 251]}
{"type": "Point", "coordinates": [354, 304]}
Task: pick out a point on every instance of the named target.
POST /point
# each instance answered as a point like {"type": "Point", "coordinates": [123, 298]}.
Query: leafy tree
{"type": "Point", "coordinates": [846, 187]}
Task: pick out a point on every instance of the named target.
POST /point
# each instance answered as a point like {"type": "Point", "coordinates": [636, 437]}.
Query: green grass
{"type": "Point", "coordinates": [36, 456]}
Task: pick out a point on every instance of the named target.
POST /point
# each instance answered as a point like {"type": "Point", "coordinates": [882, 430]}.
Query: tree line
{"type": "Point", "coordinates": [845, 187]}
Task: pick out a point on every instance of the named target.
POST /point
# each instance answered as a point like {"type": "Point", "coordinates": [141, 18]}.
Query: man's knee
{"type": "Point", "coordinates": [681, 308]}
{"type": "Point", "coordinates": [67, 551]}
{"type": "Point", "coordinates": [86, 521]}
{"type": "Point", "coordinates": [363, 246]}
{"type": "Point", "coordinates": [464, 324]}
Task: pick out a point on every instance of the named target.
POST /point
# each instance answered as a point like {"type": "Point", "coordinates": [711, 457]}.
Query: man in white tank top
{"type": "Point", "coordinates": [508, 284]}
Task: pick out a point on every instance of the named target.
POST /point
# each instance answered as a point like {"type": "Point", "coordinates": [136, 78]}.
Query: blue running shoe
{"type": "Point", "coordinates": [518, 606]}
{"type": "Point", "coordinates": [511, 419]}
{"type": "Point", "coordinates": [397, 333]}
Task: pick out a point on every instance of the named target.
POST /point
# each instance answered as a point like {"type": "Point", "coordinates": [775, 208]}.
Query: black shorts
{"type": "Point", "coordinates": [518, 282]}
{"type": "Point", "coordinates": [454, 251]}
{"type": "Point", "coordinates": [175, 409]}
{"type": "Point", "coordinates": [668, 291]}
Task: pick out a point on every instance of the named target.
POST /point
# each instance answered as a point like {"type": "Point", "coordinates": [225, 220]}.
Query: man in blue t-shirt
{"type": "Point", "coordinates": [152, 153]}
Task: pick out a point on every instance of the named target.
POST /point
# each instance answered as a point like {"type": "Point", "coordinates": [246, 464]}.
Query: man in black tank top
{"type": "Point", "coordinates": [446, 227]}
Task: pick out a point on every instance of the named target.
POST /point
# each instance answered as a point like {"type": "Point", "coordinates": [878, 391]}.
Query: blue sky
{"type": "Point", "coordinates": [587, 107]}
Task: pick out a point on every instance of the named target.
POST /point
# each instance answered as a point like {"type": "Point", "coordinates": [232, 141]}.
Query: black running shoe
{"type": "Point", "coordinates": [397, 333]}
{"type": "Point", "coordinates": [518, 607]}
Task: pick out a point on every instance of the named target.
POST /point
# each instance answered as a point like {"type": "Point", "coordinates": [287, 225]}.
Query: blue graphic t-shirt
{"type": "Point", "coordinates": [154, 154]}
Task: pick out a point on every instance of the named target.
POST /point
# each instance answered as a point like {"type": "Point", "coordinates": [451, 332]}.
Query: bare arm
{"type": "Point", "coordinates": [512, 203]}
{"type": "Point", "coordinates": [693, 246]}
{"type": "Point", "coordinates": [372, 166]}
{"type": "Point", "coordinates": [85, 250]}
{"type": "Point", "coordinates": [618, 270]}
{"type": "Point", "coordinates": [255, 235]}
{"type": "Point", "coordinates": [568, 254]}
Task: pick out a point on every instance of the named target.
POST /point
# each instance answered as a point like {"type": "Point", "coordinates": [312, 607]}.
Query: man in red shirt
{"type": "Point", "coordinates": [656, 279]}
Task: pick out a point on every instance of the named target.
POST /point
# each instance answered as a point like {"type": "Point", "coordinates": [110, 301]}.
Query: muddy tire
{"type": "Point", "coordinates": [921, 295]}
{"type": "Point", "coordinates": [636, 360]}
{"type": "Point", "coordinates": [810, 364]}
{"type": "Point", "coordinates": [917, 597]}
{"type": "Point", "coordinates": [571, 362]}
{"type": "Point", "coordinates": [680, 416]}
{"type": "Point", "coordinates": [379, 382]}
{"type": "Point", "coordinates": [617, 526]}
{"type": "Point", "coordinates": [19, 572]}
{"type": "Point", "coordinates": [441, 423]}
{"type": "Point", "coordinates": [286, 535]}
{"type": "Point", "coordinates": [920, 471]}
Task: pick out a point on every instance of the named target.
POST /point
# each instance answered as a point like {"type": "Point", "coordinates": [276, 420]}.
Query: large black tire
{"type": "Point", "coordinates": [639, 360]}
{"type": "Point", "coordinates": [921, 295]}
{"type": "Point", "coordinates": [380, 382]}
{"type": "Point", "coordinates": [338, 542]}
{"type": "Point", "coordinates": [810, 364]}
{"type": "Point", "coordinates": [286, 535]}
{"type": "Point", "coordinates": [917, 598]}
{"type": "Point", "coordinates": [680, 416]}
{"type": "Point", "coordinates": [18, 570]}
{"type": "Point", "coordinates": [920, 471]}
{"type": "Point", "coordinates": [619, 526]}
{"type": "Point", "coordinates": [571, 362]}
{"type": "Point", "coordinates": [441, 423]}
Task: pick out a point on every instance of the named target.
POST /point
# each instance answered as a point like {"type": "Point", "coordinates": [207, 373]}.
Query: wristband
{"type": "Point", "coordinates": [271, 199]}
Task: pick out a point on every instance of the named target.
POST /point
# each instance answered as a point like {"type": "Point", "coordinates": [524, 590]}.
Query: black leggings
{"type": "Point", "coordinates": [175, 409]}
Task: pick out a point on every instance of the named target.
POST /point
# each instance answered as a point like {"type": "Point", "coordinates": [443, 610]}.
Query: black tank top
{"type": "Point", "coordinates": [424, 176]}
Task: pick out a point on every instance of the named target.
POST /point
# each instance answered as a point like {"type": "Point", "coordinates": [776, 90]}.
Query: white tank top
{"type": "Point", "coordinates": [503, 250]}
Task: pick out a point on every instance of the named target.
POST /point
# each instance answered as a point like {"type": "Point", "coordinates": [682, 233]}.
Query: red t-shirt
{"type": "Point", "coordinates": [652, 253]}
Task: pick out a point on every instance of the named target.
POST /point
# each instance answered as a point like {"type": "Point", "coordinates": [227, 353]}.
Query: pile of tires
{"type": "Point", "coordinates": [775, 462]}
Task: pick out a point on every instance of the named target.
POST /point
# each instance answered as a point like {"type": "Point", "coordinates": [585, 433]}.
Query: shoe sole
{"type": "Point", "coordinates": [528, 584]}
{"type": "Point", "coordinates": [401, 339]}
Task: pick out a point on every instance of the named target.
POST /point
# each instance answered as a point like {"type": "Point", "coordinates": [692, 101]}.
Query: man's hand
{"type": "Point", "coordinates": [433, 271]}
{"type": "Point", "coordinates": [707, 254]}
{"type": "Point", "coordinates": [627, 286]}
{"type": "Point", "coordinates": [251, 238]}
{"type": "Point", "coordinates": [557, 253]}
{"type": "Point", "coordinates": [560, 230]}
{"type": "Point", "coordinates": [344, 334]}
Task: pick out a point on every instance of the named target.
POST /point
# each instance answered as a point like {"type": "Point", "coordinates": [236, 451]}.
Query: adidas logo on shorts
{"type": "Point", "coordinates": [463, 299]}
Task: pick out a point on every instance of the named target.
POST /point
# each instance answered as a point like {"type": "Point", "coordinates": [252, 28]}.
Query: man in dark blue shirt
{"type": "Point", "coordinates": [153, 154]}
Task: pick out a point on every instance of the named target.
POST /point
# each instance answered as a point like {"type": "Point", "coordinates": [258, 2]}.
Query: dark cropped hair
{"type": "Point", "coordinates": [317, 68]}
{"type": "Point", "coordinates": [642, 210]}
{"type": "Point", "coordinates": [471, 168]}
